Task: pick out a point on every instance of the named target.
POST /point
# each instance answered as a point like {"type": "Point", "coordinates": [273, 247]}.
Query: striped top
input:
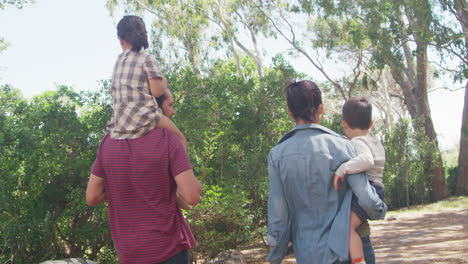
{"type": "Point", "coordinates": [135, 110]}
{"type": "Point", "coordinates": [146, 225]}
{"type": "Point", "coordinates": [370, 158]}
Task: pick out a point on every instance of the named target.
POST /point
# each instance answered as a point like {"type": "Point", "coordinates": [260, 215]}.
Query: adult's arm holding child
{"type": "Point", "coordinates": [361, 162]}
{"type": "Point", "coordinates": [368, 198]}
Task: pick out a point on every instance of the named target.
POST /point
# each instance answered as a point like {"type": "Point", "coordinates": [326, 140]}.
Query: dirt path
{"type": "Point", "coordinates": [418, 238]}
{"type": "Point", "coordinates": [423, 238]}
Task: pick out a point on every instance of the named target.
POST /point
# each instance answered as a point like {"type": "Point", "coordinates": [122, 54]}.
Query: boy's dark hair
{"type": "Point", "coordinates": [357, 112]}
{"type": "Point", "coordinates": [304, 98]}
{"type": "Point", "coordinates": [132, 29]}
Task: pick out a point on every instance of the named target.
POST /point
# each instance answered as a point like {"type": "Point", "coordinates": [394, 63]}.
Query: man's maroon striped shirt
{"type": "Point", "coordinates": [146, 224]}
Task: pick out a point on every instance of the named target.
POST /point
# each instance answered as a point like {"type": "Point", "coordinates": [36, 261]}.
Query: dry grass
{"type": "Point", "coordinates": [459, 202]}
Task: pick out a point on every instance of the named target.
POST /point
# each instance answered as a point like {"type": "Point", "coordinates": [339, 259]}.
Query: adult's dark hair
{"type": "Point", "coordinates": [304, 98]}
{"type": "Point", "coordinates": [161, 99]}
{"type": "Point", "coordinates": [357, 112]}
{"type": "Point", "coordinates": [132, 29]}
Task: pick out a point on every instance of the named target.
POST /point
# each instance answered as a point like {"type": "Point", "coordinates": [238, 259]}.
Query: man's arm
{"type": "Point", "coordinates": [95, 193]}
{"type": "Point", "coordinates": [188, 187]}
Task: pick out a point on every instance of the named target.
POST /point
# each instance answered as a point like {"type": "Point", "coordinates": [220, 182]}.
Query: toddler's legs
{"type": "Point", "coordinates": [355, 244]}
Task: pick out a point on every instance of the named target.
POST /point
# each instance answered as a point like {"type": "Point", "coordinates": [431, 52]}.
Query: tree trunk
{"type": "Point", "coordinates": [462, 11]}
{"type": "Point", "coordinates": [462, 177]}
{"type": "Point", "coordinates": [438, 184]}
{"type": "Point", "coordinates": [416, 100]}
{"type": "Point", "coordinates": [193, 58]}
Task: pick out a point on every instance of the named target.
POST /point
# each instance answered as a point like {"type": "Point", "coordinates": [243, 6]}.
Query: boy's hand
{"type": "Point", "coordinates": [336, 181]}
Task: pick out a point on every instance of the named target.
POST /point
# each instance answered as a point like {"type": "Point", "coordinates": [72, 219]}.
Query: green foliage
{"type": "Point", "coordinates": [406, 177]}
{"type": "Point", "coordinates": [231, 125]}
{"type": "Point", "coordinates": [48, 145]}
{"type": "Point", "coordinates": [16, 3]}
{"type": "Point", "coordinates": [48, 149]}
{"type": "Point", "coordinates": [333, 123]}
{"type": "Point", "coordinates": [452, 173]}
{"type": "Point", "coordinates": [456, 202]}
{"type": "Point", "coordinates": [335, 33]}
{"type": "Point", "coordinates": [3, 45]}
{"type": "Point", "coordinates": [387, 25]}
{"type": "Point", "coordinates": [223, 220]}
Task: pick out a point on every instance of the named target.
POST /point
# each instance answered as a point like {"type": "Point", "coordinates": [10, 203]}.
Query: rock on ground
{"type": "Point", "coordinates": [231, 256]}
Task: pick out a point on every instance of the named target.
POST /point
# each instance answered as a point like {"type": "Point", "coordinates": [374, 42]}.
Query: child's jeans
{"type": "Point", "coordinates": [180, 258]}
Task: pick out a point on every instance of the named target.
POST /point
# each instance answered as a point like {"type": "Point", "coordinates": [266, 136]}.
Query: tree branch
{"type": "Point", "coordinates": [293, 42]}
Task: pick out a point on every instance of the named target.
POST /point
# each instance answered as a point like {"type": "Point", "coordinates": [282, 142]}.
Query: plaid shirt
{"type": "Point", "coordinates": [135, 111]}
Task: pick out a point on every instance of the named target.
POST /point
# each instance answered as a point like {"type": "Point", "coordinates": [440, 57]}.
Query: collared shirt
{"type": "Point", "coordinates": [303, 206]}
{"type": "Point", "coordinates": [135, 110]}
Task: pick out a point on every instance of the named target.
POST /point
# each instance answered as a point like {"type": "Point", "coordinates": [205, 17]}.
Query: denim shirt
{"type": "Point", "coordinates": [303, 206]}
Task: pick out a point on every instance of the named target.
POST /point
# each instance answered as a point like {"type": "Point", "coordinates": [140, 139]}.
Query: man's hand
{"type": "Point", "coordinates": [181, 203]}
{"type": "Point", "coordinates": [189, 188]}
{"type": "Point", "coordinates": [336, 181]}
{"type": "Point", "coordinates": [95, 193]}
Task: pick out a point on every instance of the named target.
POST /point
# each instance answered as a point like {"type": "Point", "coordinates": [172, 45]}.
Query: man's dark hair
{"type": "Point", "coordinates": [132, 29]}
{"type": "Point", "coordinates": [161, 99]}
{"type": "Point", "coordinates": [304, 98]}
{"type": "Point", "coordinates": [357, 112]}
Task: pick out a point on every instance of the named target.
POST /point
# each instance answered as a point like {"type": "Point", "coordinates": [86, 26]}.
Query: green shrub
{"type": "Point", "coordinates": [221, 221]}
{"type": "Point", "coordinates": [407, 177]}
{"type": "Point", "coordinates": [452, 173]}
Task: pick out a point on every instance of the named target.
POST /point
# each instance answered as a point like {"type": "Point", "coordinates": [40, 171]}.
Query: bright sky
{"type": "Point", "coordinates": [57, 42]}
{"type": "Point", "coordinates": [74, 43]}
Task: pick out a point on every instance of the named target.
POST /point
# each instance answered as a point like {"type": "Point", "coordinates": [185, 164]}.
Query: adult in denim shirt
{"type": "Point", "coordinates": [303, 207]}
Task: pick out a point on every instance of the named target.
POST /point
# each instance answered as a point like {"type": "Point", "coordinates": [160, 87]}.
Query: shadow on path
{"type": "Point", "coordinates": [422, 238]}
